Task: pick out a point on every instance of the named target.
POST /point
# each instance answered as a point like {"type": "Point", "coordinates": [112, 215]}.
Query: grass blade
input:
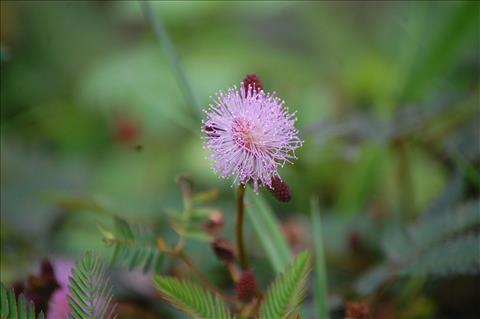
{"type": "Point", "coordinates": [164, 39]}
{"type": "Point", "coordinates": [443, 48]}
{"type": "Point", "coordinates": [269, 232]}
{"type": "Point", "coordinates": [320, 269]}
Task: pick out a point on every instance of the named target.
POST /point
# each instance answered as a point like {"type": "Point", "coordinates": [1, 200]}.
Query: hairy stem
{"type": "Point", "coordinates": [239, 227]}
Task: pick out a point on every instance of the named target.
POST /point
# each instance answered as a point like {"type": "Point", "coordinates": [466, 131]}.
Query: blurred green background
{"type": "Point", "coordinates": [387, 101]}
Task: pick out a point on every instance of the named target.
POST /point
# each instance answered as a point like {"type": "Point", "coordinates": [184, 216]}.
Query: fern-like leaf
{"type": "Point", "coordinates": [457, 256]}
{"type": "Point", "coordinates": [288, 290]}
{"type": "Point", "coordinates": [134, 246]}
{"type": "Point", "coordinates": [438, 244]}
{"type": "Point", "coordinates": [91, 296]}
{"type": "Point", "coordinates": [16, 308]}
{"type": "Point", "coordinates": [194, 301]}
{"type": "Point", "coordinates": [431, 230]}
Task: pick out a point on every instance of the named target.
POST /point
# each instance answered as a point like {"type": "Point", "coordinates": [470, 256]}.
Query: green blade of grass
{"type": "Point", "coordinates": [319, 268]}
{"type": "Point", "coordinates": [164, 39]}
{"type": "Point", "coordinates": [443, 48]}
{"type": "Point", "coordinates": [269, 232]}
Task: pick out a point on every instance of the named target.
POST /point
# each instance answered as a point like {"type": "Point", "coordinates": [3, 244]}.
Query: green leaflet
{"type": "Point", "coordinates": [134, 246]}
{"type": "Point", "coordinates": [16, 308]}
{"type": "Point", "coordinates": [91, 296]}
{"type": "Point", "coordinates": [437, 245]}
{"type": "Point", "coordinates": [456, 256]}
{"type": "Point", "coordinates": [191, 299]}
{"type": "Point", "coordinates": [287, 291]}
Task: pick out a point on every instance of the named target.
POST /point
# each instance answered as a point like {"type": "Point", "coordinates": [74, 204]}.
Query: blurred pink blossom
{"type": "Point", "coordinates": [58, 307]}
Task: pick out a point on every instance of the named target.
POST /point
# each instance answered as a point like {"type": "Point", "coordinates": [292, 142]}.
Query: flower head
{"type": "Point", "coordinates": [250, 134]}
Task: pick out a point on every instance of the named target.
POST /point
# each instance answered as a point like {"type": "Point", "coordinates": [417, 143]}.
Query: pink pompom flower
{"type": "Point", "coordinates": [249, 135]}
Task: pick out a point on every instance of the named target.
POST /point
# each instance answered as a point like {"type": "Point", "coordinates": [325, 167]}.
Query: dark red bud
{"type": "Point", "coordinates": [224, 250]}
{"type": "Point", "coordinates": [246, 287]}
{"type": "Point", "coordinates": [215, 221]}
{"type": "Point", "coordinates": [251, 83]}
{"type": "Point", "coordinates": [357, 310]}
{"type": "Point", "coordinates": [280, 189]}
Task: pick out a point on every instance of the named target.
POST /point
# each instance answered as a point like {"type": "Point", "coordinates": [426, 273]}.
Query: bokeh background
{"type": "Point", "coordinates": [387, 95]}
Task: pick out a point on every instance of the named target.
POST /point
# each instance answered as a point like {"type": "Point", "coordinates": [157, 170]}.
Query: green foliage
{"type": "Point", "coordinates": [288, 290]}
{"type": "Point", "coordinates": [269, 232]}
{"type": "Point", "coordinates": [438, 245]}
{"type": "Point", "coordinates": [192, 299]}
{"type": "Point", "coordinates": [361, 181]}
{"type": "Point", "coordinates": [16, 308]}
{"type": "Point", "coordinates": [443, 49]}
{"type": "Point", "coordinates": [91, 296]}
{"type": "Point", "coordinates": [456, 256]}
{"type": "Point", "coordinates": [189, 223]}
{"type": "Point", "coordinates": [134, 246]}
{"type": "Point", "coordinates": [431, 230]}
{"type": "Point", "coordinates": [320, 271]}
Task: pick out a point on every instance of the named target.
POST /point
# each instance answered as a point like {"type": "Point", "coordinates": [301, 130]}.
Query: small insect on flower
{"type": "Point", "coordinates": [250, 134]}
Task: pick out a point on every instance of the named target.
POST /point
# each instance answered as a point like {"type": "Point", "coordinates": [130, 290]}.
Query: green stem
{"type": "Point", "coordinates": [164, 39]}
{"type": "Point", "coordinates": [239, 227]}
{"type": "Point", "coordinates": [204, 280]}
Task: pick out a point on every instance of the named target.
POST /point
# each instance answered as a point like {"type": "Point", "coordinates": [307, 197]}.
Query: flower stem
{"type": "Point", "coordinates": [239, 227]}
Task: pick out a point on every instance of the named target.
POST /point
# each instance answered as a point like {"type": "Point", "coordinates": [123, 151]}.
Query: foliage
{"type": "Point", "coordinates": [91, 295]}
{"type": "Point", "coordinates": [189, 222]}
{"type": "Point", "coordinates": [191, 299]}
{"type": "Point", "coordinates": [282, 299]}
{"type": "Point", "coordinates": [455, 256]}
{"type": "Point", "coordinates": [269, 232]}
{"type": "Point", "coordinates": [320, 271]}
{"type": "Point", "coordinates": [431, 230]}
{"type": "Point", "coordinates": [288, 290]}
{"type": "Point", "coordinates": [16, 308]}
{"type": "Point", "coordinates": [134, 246]}
{"type": "Point", "coordinates": [441, 244]}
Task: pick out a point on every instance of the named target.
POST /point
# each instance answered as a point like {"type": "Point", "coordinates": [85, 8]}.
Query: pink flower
{"type": "Point", "coordinates": [249, 135]}
{"type": "Point", "coordinates": [58, 307]}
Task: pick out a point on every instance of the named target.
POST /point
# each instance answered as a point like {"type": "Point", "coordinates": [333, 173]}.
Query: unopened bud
{"type": "Point", "coordinates": [215, 221]}
{"type": "Point", "coordinates": [224, 250]}
{"type": "Point", "coordinates": [246, 287]}
{"type": "Point", "coordinates": [280, 189]}
{"type": "Point", "coordinates": [252, 84]}
{"type": "Point", "coordinates": [357, 310]}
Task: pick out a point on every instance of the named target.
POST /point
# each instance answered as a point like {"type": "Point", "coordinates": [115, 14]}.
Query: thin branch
{"type": "Point", "coordinates": [204, 280]}
{"type": "Point", "coordinates": [239, 227]}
